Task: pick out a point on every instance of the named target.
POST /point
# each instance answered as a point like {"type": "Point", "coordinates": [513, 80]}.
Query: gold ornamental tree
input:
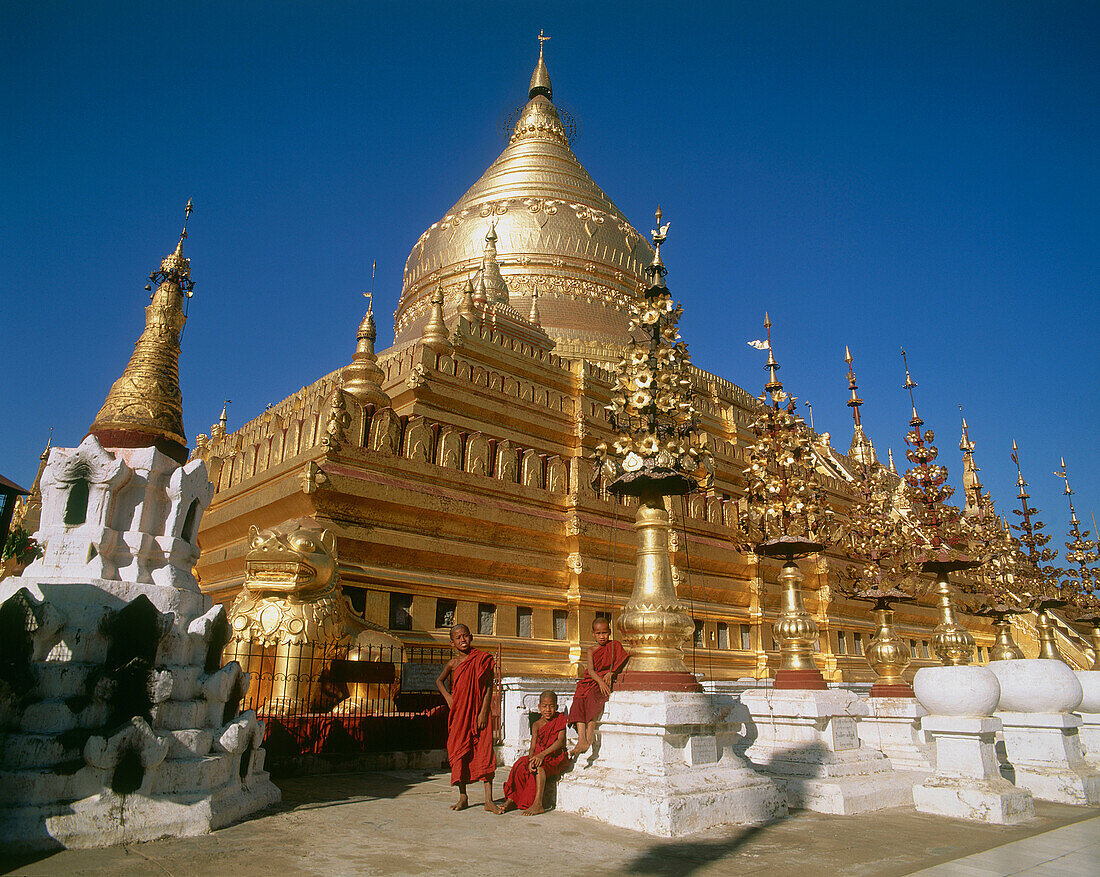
{"type": "Point", "coordinates": [941, 543]}
{"type": "Point", "coordinates": [787, 517]}
{"type": "Point", "coordinates": [879, 569]}
{"type": "Point", "coordinates": [658, 451]}
{"type": "Point", "coordinates": [1081, 577]}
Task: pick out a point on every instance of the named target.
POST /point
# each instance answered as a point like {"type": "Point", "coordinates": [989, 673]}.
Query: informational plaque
{"type": "Point", "coordinates": [419, 677]}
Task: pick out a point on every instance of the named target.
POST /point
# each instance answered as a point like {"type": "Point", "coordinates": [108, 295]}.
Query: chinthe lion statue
{"type": "Point", "coordinates": [293, 608]}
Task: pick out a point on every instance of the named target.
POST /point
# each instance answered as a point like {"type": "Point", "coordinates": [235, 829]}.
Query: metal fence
{"type": "Point", "coordinates": [339, 700]}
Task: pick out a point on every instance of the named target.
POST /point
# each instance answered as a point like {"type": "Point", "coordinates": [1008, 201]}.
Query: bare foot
{"type": "Point", "coordinates": [490, 806]}
{"type": "Point", "coordinates": [508, 805]}
{"type": "Point", "coordinates": [534, 810]}
{"type": "Point", "coordinates": [462, 803]}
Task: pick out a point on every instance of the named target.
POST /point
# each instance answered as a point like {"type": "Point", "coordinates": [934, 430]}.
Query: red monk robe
{"type": "Point", "coordinates": [520, 785]}
{"type": "Point", "coordinates": [469, 750]}
{"type": "Point", "coordinates": [588, 700]}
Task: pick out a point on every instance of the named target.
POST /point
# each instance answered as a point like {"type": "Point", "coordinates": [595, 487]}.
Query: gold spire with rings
{"type": "Point", "coordinates": [435, 334]}
{"type": "Point", "coordinates": [362, 378]}
{"type": "Point", "coordinates": [145, 406]}
{"type": "Point", "coordinates": [540, 79]}
{"type": "Point", "coordinates": [862, 450]}
{"type": "Point", "coordinates": [558, 229]}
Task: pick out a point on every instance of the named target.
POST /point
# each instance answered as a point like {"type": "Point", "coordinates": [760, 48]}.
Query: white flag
{"type": "Point", "coordinates": [759, 345]}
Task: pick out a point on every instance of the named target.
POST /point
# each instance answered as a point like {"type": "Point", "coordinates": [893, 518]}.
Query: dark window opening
{"type": "Point", "coordinates": [486, 619]}
{"type": "Point", "coordinates": [76, 507]}
{"type": "Point", "coordinates": [445, 613]}
{"type": "Point", "coordinates": [561, 624]}
{"type": "Point", "coordinates": [401, 611]}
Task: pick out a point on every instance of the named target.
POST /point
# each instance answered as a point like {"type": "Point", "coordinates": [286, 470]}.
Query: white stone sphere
{"type": "Point", "coordinates": [1036, 685]}
{"type": "Point", "coordinates": [957, 691]}
{"type": "Point", "coordinates": [1090, 686]}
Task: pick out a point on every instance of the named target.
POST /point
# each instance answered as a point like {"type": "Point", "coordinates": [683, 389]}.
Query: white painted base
{"type": "Point", "coordinates": [521, 702]}
{"type": "Point", "coordinates": [1046, 757]}
{"type": "Point", "coordinates": [1089, 732]}
{"type": "Point", "coordinates": [667, 766]}
{"type": "Point", "coordinates": [966, 784]}
{"type": "Point", "coordinates": [892, 727]}
{"type": "Point", "coordinates": [808, 743]}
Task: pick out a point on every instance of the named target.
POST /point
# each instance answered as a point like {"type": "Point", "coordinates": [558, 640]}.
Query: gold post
{"type": "Point", "coordinates": [951, 641]}
{"type": "Point", "coordinates": [795, 629]}
{"type": "Point", "coordinates": [889, 656]}
{"type": "Point", "coordinates": [1048, 646]}
{"type": "Point", "coordinates": [654, 623]}
{"type": "Point", "coordinates": [1004, 648]}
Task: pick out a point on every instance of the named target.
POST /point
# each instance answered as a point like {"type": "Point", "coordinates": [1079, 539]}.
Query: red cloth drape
{"type": "Point", "coordinates": [588, 700]}
{"type": "Point", "coordinates": [469, 750]}
{"type": "Point", "coordinates": [520, 785]}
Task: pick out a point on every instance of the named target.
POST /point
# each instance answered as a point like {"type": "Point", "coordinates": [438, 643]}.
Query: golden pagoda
{"type": "Point", "coordinates": [455, 468]}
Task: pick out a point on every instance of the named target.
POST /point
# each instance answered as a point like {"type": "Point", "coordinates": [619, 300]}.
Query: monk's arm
{"type": "Point", "coordinates": [603, 680]}
{"type": "Point", "coordinates": [535, 728]}
{"type": "Point", "coordinates": [590, 669]}
{"type": "Point", "coordinates": [439, 683]}
{"type": "Point", "coordinates": [483, 713]}
{"type": "Point", "coordinates": [557, 746]}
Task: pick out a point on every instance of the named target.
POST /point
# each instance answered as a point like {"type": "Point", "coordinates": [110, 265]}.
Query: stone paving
{"type": "Point", "coordinates": [398, 822]}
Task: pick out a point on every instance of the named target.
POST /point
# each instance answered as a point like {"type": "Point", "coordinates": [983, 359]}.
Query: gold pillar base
{"type": "Point", "coordinates": [1005, 648]}
{"type": "Point", "coordinates": [888, 655]}
{"type": "Point", "coordinates": [796, 632]}
{"type": "Point", "coordinates": [952, 642]}
{"type": "Point", "coordinates": [1094, 641]}
{"type": "Point", "coordinates": [654, 625]}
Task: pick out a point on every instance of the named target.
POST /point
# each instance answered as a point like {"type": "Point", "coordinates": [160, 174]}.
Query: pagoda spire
{"type": "Point", "coordinates": [145, 406]}
{"type": "Point", "coordinates": [435, 331]}
{"type": "Point", "coordinates": [495, 287]}
{"type": "Point", "coordinates": [362, 378]}
{"type": "Point", "coordinates": [861, 449]}
{"type": "Point", "coordinates": [540, 79]}
{"type": "Point", "coordinates": [467, 308]}
{"type": "Point", "coordinates": [972, 487]}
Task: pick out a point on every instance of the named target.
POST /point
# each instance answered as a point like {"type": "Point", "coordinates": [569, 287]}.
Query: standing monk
{"type": "Point", "coordinates": [605, 659]}
{"type": "Point", "coordinates": [469, 737]}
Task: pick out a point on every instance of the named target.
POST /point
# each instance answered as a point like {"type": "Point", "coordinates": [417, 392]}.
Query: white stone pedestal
{"type": "Point", "coordinates": [1041, 738]}
{"type": "Point", "coordinates": [967, 784]}
{"type": "Point", "coordinates": [1045, 754]}
{"type": "Point", "coordinates": [892, 726]}
{"type": "Point", "coordinates": [808, 743]}
{"type": "Point", "coordinates": [1089, 711]}
{"type": "Point", "coordinates": [667, 766]}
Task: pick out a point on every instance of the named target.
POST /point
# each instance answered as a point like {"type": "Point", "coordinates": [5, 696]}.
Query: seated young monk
{"type": "Point", "coordinates": [469, 737]}
{"type": "Point", "coordinates": [605, 659]}
{"type": "Point", "coordinates": [526, 784]}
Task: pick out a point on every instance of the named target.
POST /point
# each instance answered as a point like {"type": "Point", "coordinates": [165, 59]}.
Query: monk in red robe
{"type": "Point", "coordinates": [526, 784]}
{"type": "Point", "coordinates": [605, 659]}
{"type": "Point", "coordinates": [469, 737]}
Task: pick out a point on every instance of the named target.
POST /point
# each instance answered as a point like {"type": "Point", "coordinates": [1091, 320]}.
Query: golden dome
{"type": "Point", "coordinates": [555, 230]}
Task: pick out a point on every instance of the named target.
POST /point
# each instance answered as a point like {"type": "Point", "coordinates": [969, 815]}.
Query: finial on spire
{"type": "Point", "coordinates": [773, 385]}
{"type": "Point", "coordinates": [854, 402]}
{"type": "Point", "coordinates": [656, 269]}
{"type": "Point", "coordinates": [909, 384]}
{"type": "Point", "coordinates": [435, 334]}
{"type": "Point", "coordinates": [540, 79]}
{"type": "Point", "coordinates": [890, 458]}
{"type": "Point", "coordinates": [370, 295]}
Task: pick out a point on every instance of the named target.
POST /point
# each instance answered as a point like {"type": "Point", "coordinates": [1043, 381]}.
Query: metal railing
{"type": "Point", "coordinates": [344, 700]}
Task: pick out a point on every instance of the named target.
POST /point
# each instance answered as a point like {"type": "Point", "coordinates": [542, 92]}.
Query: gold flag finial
{"type": "Point", "coordinates": [909, 385]}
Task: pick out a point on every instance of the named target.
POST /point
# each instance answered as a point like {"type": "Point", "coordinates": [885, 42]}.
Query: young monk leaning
{"type": "Point", "coordinates": [469, 737]}
{"type": "Point", "coordinates": [605, 659]}
{"type": "Point", "coordinates": [526, 784]}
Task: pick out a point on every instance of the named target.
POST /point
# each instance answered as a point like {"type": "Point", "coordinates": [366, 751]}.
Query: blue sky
{"type": "Point", "coordinates": [924, 174]}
